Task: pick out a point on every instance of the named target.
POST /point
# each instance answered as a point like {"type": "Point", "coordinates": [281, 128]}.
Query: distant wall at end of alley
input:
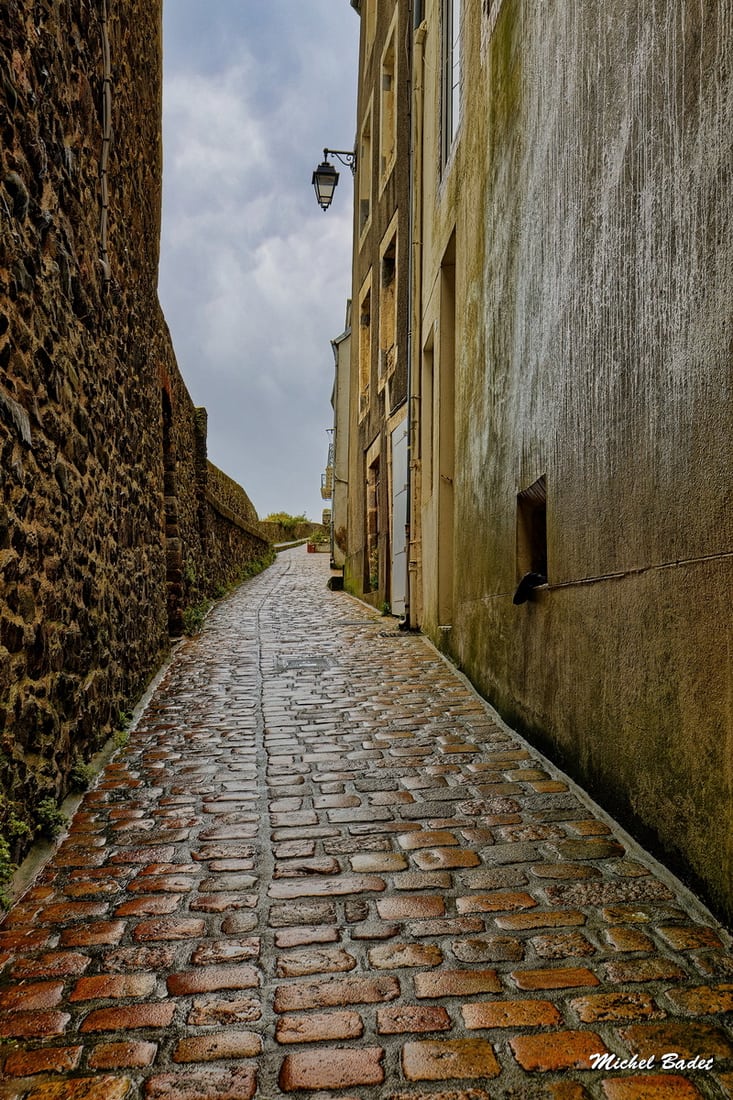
{"type": "Point", "coordinates": [238, 545]}
{"type": "Point", "coordinates": [298, 532]}
{"type": "Point", "coordinates": [112, 521]}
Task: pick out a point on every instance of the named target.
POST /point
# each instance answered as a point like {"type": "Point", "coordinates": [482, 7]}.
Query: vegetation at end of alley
{"type": "Point", "coordinates": [284, 519]}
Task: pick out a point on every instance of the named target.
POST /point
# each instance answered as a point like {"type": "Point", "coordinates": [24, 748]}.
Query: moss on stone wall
{"type": "Point", "coordinates": [102, 502]}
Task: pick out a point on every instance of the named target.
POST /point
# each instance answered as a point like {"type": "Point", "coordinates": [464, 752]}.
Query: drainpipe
{"type": "Point", "coordinates": [414, 292]}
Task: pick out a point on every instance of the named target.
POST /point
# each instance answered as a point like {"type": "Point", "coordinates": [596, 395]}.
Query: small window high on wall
{"type": "Point", "coordinates": [387, 310]}
{"type": "Point", "coordinates": [364, 172]}
{"type": "Point", "coordinates": [451, 79]}
{"type": "Point", "coordinates": [365, 345]}
{"type": "Point", "coordinates": [388, 112]}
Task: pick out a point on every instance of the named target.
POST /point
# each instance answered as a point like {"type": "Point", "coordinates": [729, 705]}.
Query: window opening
{"type": "Point", "coordinates": [531, 539]}
{"type": "Point", "coordinates": [365, 172]}
{"type": "Point", "coordinates": [372, 527]}
{"type": "Point", "coordinates": [365, 349]}
{"type": "Point", "coordinates": [387, 311]}
{"type": "Point", "coordinates": [388, 120]}
{"type": "Point", "coordinates": [452, 35]}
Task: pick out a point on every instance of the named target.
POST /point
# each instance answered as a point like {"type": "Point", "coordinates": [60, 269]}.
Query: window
{"type": "Point", "coordinates": [372, 564]}
{"type": "Point", "coordinates": [365, 172]}
{"type": "Point", "coordinates": [365, 345]}
{"type": "Point", "coordinates": [388, 113]}
{"type": "Point", "coordinates": [427, 398]}
{"type": "Point", "coordinates": [532, 529]}
{"type": "Point", "coordinates": [387, 309]}
{"type": "Point", "coordinates": [370, 23]}
{"type": "Point", "coordinates": [451, 46]}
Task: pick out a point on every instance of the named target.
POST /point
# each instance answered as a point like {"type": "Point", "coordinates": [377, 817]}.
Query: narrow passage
{"type": "Point", "coordinates": [322, 866]}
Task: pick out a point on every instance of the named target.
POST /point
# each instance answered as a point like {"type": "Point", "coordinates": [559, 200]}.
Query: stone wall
{"type": "Point", "coordinates": [103, 509]}
{"type": "Point", "coordinates": [237, 545]}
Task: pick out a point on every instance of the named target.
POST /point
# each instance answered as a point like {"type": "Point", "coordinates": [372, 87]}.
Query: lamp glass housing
{"type": "Point", "coordinates": [324, 181]}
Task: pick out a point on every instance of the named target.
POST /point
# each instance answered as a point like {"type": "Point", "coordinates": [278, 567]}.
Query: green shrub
{"type": "Point", "coordinates": [49, 819]}
{"type": "Point", "coordinates": [193, 617]}
{"type": "Point", "coordinates": [16, 828]}
{"type": "Point", "coordinates": [7, 869]}
{"type": "Point", "coordinates": [120, 738]}
{"type": "Point", "coordinates": [80, 776]}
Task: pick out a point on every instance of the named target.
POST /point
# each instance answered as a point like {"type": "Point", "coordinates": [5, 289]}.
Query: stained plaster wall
{"type": "Point", "coordinates": [88, 522]}
{"type": "Point", "coordinates": [590, 191]}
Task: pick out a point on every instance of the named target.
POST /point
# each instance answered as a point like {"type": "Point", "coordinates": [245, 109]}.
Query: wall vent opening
{"type": "Point", "coordinates": [532, 529]}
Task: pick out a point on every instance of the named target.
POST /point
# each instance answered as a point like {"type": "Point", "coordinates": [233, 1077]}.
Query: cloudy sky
{"type": "Point", "coordinates": [254, 277]}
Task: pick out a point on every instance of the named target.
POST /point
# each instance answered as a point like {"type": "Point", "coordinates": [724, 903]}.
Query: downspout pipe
{"type": "Point", "coordinates": [414, 292]}
{"type": "Point", "coordinates": [406, 622]}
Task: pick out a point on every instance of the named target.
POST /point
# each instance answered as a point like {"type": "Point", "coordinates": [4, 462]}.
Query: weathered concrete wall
{"type": "Point", "coordinates": [592, 203]}
{"type": "Point", "coordinates": [100, 474]}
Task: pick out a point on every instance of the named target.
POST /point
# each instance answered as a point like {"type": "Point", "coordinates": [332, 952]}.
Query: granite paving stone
{"type": "Point", "coordinates": [322, 866]}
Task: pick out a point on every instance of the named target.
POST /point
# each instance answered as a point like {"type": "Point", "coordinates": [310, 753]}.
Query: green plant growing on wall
{"type": "Point", "coordinates": [80, 775]}
{"type": "Point", "coordinates": [16, 828]}
{"type": "Point", "coordinates": [120, 738]}
{"type": "Point", "coordinates": [7, 870]}
{"type": "Point", "coordinates": [15, 832]}
{"type": "Point", "coordinates": [193, 617]}
{"type": "Point", "coordinates": [374, 569]}
{"type": "Point", "coordinates": [49, 819]}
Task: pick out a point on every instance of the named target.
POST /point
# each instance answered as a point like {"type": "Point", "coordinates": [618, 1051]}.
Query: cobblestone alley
{"type": "Point", "coordinates": [322, 866]}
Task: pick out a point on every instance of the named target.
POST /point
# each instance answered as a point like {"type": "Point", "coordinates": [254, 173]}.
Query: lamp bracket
{"type": "Point", "coordinates": [346, 156]}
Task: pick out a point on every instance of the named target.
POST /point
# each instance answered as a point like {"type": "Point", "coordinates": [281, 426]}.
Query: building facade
{"type": "Point", "coordinates": [339, 449]}
{"type": "Point", "coordinates": [376, 545]}
{"type": "Point", "coordinates": [571, 393]}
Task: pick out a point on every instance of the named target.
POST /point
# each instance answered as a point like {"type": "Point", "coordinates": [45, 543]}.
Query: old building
{"type": "Point", "coordinates": [376, 556]}
{"type": "Point", "coordinates": [339, 449]}
{"type": "Point", "coordinates": [112, 522]}
{"type": "Point", "coordinates": [571, 412]}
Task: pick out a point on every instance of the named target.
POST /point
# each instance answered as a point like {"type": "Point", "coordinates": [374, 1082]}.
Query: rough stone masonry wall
{"type": "Point", "coordinates": [236, 542]}
{"type": "Point", "coordinates": [102, 490]}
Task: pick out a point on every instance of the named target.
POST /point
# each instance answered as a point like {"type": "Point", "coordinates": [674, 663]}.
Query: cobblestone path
{"type": "Point", "coordinates": [323, 867]}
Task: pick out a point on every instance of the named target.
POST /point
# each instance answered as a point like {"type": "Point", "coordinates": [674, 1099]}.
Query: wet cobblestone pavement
{"type": "Point", "coordinates": [322, 866]}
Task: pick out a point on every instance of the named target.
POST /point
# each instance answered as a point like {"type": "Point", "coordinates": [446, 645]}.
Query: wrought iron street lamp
{"type": "Point", "coordinates": [325, 177]}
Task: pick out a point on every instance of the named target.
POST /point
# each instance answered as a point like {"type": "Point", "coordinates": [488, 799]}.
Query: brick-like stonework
{"type": "Point", "coordinates": [111, 518]}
